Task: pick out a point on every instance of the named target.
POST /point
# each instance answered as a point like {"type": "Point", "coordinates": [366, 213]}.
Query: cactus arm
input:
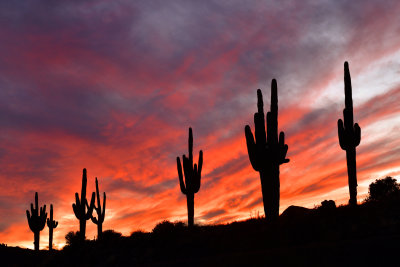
{"type": "Point", "coordinates": [200, 166]}
{"type": "Point", "coordinates": [28, 215]}
{"type": "Point", "coordinates": [104, 205]}
{"type": "Point", "coordinates": [94, 220]}
{"type": "Point", "coordinates": [341, 134]}
{"type": "Point", "coordinates": [91, 207]}
{"type": "Point", "coordinates": [357, 134]}
{"type": "Point", "coordinates": [251, 148]}
{"type": "Point", "coordinates": [181, 182]}
{"type": "Point", "coordinates": [283, 148]}
{"type": "Point", "coordinates": [97, 194]}
{"type": "Point", "coordinates": [55, 224]}
{"type": "Point", "coordinates": [259, 123]}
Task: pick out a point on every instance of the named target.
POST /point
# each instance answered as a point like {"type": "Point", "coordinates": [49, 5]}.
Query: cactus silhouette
{"type": "Point", "coordinates": [80, 206]}
{"type": "Point", "coordinates": [267, 152]}
{"type": "Point", "coordinates": [51, 224]}
{"type": "Point", "coordinates": [100, 212]}
{"type": "Point", "coordinates": [192, 173]}
{"type": "Point", "coordinates": [349, 136]}
{"type": "Point", "coordinates": [37, 220]}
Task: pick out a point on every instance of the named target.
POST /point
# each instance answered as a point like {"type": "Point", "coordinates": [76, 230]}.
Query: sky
{"type": "Point", "coordinates": [113, 86]}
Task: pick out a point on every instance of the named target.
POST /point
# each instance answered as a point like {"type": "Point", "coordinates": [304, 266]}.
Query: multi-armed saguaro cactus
{"type": "Point", "coordinates": [51, 224]}
{"type": "Point", "coordinates": [80, 205]}
{"type": "Point", "coordinates": [37, 220]}
{"type": "Point", "coordinates": [349, 136]}
{"type": "Point", "coordinates": [191, 185]}
{"type": "Point", "coordinates": [100, 212]}
{"type": "Point", "coordinates": [266, 152]}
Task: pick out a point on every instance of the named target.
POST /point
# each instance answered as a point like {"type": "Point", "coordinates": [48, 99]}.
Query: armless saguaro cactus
{"type": "Point", "coordinates": [51, 224]}
{"type": "Point", "coordinates": [191, 185]}
{"type": "Point", "coordinates": [100, 212]}
{"type": "Point", "coordinates": [267, 152]}
{"type": "Point", "coordinates": [36, 221]}
{"type": "Point", "coordinates": [80, 205]}
{"type": "Point", "coordinates": [349, 136]}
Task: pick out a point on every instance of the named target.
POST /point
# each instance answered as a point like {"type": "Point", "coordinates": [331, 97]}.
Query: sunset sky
{"type": "Point", "coordinates": [113, 86]}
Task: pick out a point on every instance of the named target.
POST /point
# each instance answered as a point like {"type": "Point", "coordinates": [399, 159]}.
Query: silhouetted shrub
{"type": "Point", "coordinates": [327, 205]}
{"type": "Point", "coordinates": [110, 236]}
{"type": "Point", "coordinates": [168, 227]}
{"type": "Point", "coordinates": [383, 188]}
{"type": "Point", "coordinates": [72, 238]}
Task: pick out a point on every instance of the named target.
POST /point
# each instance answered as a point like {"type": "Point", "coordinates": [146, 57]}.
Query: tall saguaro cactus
{"type": "Point", "coordinates": [349, 136]}
{"type": "Point", "coordinates": [80, 205]}
{"type": "Point", "coordinates": [36, 220]}
{"type": "Point", "coordinates": [267, 152]}
{"type": "Point", "coordinates": [51, 224]}
{"type": "Point", "coordinates": [192, 173]}
{"type": "Point", "coordinates": [100, 212]}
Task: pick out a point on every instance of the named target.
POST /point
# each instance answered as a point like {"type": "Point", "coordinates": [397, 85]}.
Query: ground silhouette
{"type": "Point", "coordinates": [364, 235]}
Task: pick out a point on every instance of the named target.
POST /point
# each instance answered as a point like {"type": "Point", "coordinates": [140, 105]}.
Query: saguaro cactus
{"type": "Point", "coordinates": [80, 205]}
{"type": "Point", "coordinates": [51, 224]}
{"type": "Point", "coordinates": [267, 152]}
{"type": "Point", "coordinates": [349, 136]}
{"type": "Point", "coordinates": [191, 185]}
{"type": "Point", "coordinates": [37, 220]}
{"type": "Point", "coordinates": [100, 212]}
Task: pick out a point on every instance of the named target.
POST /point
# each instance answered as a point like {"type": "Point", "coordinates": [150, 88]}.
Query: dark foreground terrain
{"type": "Point", "coordinates": [367, 235]}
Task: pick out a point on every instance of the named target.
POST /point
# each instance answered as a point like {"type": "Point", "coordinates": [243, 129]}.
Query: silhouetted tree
{"type": "Point", "coordinates": [383, 188]}
{"type": "Point", "coordinates": [266, 152]}
{"type": "Point", "coordinates": [80, 206]}
{"type": "Point", "coordinates": [100, 212]}
{"type": "Point", "coordinates": [191, 185]}
{"type": "Point", "coordinates": [349, 136]}
{"type": "Point", "coordinates": [36, 221]}
{"type": "Point", "coordinates": [51, 224]}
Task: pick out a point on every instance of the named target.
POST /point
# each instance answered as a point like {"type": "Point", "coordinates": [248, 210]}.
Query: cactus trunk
{"type": "Point", "coordinates": [352, 175]}
{"type": "Point", "coordinates": [36, 236]}
{"type": "Point", "coordinates": [50, 239]}
{"type": "Point", "coordinates": [99, 231]}
{"type": "Point", "coordinates": [270, 187]}
{"type": "Point", "coordinates": [82, 229]}
{"type": "Point", "coordinates": [190, 208]}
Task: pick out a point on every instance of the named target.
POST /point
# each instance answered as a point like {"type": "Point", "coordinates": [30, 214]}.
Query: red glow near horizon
{"type": "Point", "coordinates": [114, 89]}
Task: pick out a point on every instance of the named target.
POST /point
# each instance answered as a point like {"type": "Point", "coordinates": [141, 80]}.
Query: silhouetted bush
{"type": "Point", "coordinates": [111, 236]}
{"type": "Point", "coordinates": [73, 238]}
{"type": "Point", "coordinates": [166, 227]}
{"type": "Point", "coordinates": [327, 205]}
{"type": "Point", "coordinates": [383, 188]}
